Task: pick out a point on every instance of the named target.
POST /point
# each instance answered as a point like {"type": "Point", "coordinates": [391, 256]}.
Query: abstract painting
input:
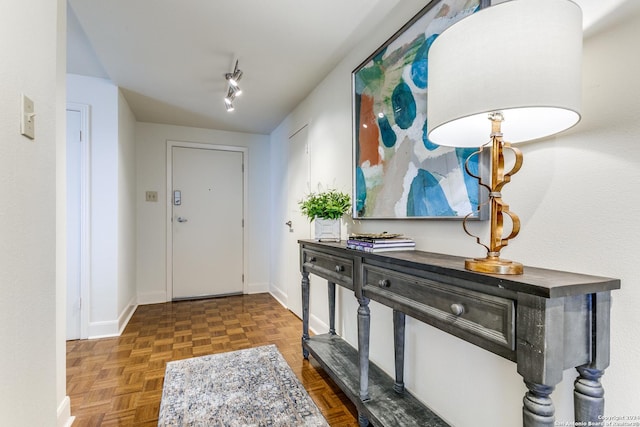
{"type": "Point", "coordinates": [398, 172]}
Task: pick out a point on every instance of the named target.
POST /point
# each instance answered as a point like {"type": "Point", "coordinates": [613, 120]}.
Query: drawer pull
{"type": "Point", "coordinates": [339, 268]}
{"type": "Point", "coordinates": [384, 283]}
{"type": "Point", "coordinates": [457, 309]}
{"type": "Point", "coordinates": [312, 259]}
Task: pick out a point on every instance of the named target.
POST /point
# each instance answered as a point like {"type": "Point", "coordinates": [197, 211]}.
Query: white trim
{"type": "Point", "coordinates": [169, 206]}
{"type": "Point", "coordinates": [105, 329]}
{"type": "Point", "coordinates": [64, 413]}
{"type": "Point", "coordinates": [280, 296]}
{"type": "Point", "coordinates": [85, 214]}
{"type": "Point", "coordinates": [126, 315]}
{"type": "Point", "coordinates": [316, 325]}
{"type": "Point", "coordinates": [154, 297]}
{"type": "Point", "coordinates": [256, 288]}
{"type": "Point", "coordinates": [113, 328]}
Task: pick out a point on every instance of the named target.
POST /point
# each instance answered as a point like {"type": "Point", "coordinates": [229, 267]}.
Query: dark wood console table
{"type": "Point", "coordinates": [546, 321]}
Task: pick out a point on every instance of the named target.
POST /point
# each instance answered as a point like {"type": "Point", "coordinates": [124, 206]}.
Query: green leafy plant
{"type": "Point", "coordinates": [329, 204]}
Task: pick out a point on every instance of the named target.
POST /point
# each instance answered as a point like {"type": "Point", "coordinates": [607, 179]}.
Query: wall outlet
{"type": "Point", "coordinates": [151, 196]}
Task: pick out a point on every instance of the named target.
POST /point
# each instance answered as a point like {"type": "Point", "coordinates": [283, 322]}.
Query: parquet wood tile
{"type": "Point", "coordinates": [118, 381]}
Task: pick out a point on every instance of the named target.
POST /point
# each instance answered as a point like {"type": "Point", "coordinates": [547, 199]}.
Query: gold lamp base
{"type": "Point", "coordinates": [493, 265]}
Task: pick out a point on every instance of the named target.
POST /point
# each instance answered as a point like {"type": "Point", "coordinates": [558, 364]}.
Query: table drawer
{"type": "Point", "coordinates": [331, 267]}
{"type": "Point", "coordinates": [484, 319]}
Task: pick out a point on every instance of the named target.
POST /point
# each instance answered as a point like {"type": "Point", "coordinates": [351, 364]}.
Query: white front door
{"type": "Point", "coordinates": [300, 228]}
{"type": "Point", "coordinates": [207, 222]}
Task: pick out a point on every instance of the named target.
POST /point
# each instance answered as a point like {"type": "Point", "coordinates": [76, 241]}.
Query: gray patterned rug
{"type": "Point", "coordinates": [253, 387]}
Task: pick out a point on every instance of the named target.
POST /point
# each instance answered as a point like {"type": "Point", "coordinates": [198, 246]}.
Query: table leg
{"type": "Point", "coordinates": [363, 421]}
{"type": "Point", "coordinates": [331, 287]}
{"type": "Point", "coordinates": [540, 344]}
{"type": "Point", "coordinates": [537, 408]}
{"type": "Point", "coordinates": [588, 395]}
{"type": "Point", "coordinates": [398, 340]}
{"type": "Point", "coordinates": [305, 313]}
{"type": "Point", "coordinates": [364, 327]}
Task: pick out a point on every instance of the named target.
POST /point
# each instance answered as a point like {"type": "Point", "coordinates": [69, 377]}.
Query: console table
{"type": "Point", "coordinates": [545, 321]}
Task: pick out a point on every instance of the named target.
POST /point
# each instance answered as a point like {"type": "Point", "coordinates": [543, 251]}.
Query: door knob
{"type": "Point", "coordinates": [180, 219]}
{"type": "Point", "coordinates": [289, 223]}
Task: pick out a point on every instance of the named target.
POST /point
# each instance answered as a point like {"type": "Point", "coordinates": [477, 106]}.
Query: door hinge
{"type": "Point", "coordinates": [242, 168]}
{"type": "Point", "coordinates": [80, 136]}
{"type": "Point", "coordinates": [243, 278]}
{"type": "Point", "coordinates": [243, 223]}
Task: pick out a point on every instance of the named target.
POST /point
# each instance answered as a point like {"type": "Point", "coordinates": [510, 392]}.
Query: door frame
{"type": "Point", "coordinates": [169, 205]}
{"type": "Point", "coordinates": [85, 214]}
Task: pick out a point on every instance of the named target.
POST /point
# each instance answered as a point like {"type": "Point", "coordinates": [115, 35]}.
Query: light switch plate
{"type": "Point", "coordinates": [28, 122]}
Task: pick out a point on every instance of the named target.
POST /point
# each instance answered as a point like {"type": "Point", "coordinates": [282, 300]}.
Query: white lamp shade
{"type": "Point", "coordinates": [521, 57]}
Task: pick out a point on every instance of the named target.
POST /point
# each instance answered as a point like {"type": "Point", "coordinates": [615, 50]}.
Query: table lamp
{"type": "Point", "coordinates": [512, 68]}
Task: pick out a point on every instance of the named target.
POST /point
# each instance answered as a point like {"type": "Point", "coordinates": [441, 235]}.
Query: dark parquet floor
{"type": "Point", "coordinates": [118, 381]}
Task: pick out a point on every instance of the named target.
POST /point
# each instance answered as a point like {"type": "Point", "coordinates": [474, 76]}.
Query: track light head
{"type": "Point", "coordinates": [231, 95]}
{"type": "Point", "coordinates": [235, 76]}
{"type": "Point", "coordinates": [234, 89]}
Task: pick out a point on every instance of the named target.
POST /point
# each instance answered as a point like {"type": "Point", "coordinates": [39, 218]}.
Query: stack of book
{"type": "Point", "coordinates": [383, 242]}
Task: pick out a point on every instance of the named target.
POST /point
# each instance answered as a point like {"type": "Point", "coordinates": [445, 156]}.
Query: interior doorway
{"type": "Point", "coordinates": [77, 220]}
{"type": "Point", "coordinates": [299, 225]}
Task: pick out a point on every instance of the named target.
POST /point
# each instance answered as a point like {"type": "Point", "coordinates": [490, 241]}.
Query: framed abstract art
{"type": "Point", "coordinates": [398, 172]}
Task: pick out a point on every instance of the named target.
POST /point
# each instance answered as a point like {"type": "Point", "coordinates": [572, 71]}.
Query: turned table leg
{"type": "Point", "coordinates": [331, 287]}
{"type": "Point", "coordinates": [398, 340]}
{"type": "Point", "coordinates": [537, 408]}
{"type": "Point", "coordinates": [305, 313]}
{"type": "Point", "coordinates": [364, 327]}
{"type": "Point", "coordinates": [540, 347]}
{"type": "Point", "coordinates": [588, 395]}
{"type": "Point", "coordinates": [363, 421]}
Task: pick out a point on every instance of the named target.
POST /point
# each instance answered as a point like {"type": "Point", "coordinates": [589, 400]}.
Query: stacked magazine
{"type": "Point", "coordinates": [381, 242]}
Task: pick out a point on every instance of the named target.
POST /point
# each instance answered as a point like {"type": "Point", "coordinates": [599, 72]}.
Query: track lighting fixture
{"type": "Point", "coordinates": [234, 89]}
{"type": "Point", "coordinates": [228, 100]}
{"type": "Point", "coordinates": [235, 76]}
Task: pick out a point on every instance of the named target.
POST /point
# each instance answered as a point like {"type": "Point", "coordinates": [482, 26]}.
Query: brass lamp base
{"type": "Point", "coordinates": [493, 265]}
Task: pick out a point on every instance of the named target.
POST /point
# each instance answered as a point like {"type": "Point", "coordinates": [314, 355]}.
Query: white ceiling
{"type": "Point", "coordinates": [169, 57]}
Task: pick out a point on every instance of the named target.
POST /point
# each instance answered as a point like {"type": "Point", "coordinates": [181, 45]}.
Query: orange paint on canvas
{"type": "Point", "coordinates": [369, 134]}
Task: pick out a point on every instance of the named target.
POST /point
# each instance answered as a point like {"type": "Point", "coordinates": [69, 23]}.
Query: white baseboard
{"type": "Point", "coordinates": [280, 296]}
{"type": "Point", "coordinates": [64, 413]}
{"type": "Point", "coordinates": [106, 329]}
{"type": "Point", "coordinates": [256, 288]}
{"type": "Point", "coordinates": [154, 297]}
{"type": "Point", "coordinates": [112, 328]}
{"type": "Point", "coordinates": [317, 326]}
{"type": "Point", "coordinates": [126, 315]}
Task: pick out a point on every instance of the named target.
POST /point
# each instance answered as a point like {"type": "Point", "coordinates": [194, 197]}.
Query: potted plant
{"type": "Point", "coordinates": [326, 208]}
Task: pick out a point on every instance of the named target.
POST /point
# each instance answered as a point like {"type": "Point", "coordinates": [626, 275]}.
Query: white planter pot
{"type": "Point", "coordinates": [327, 230]}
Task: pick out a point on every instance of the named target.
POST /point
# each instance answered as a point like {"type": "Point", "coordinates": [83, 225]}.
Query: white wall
{"type": "Point", "coordinates": [127, 292]}
{"type": "Point", "coordinates": [32, 378]}
{"type": "Point", "coordinates": [112, 204]}
{"type": "Point", "coordinates": [64, 418]}
{"type": "Point", "coordinates": [577, 199]}
{"type": "Point", "coordinates": [151, 146]}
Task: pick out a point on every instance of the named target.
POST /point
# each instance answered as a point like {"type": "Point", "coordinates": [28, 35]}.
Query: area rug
{"type": "Point", "coordinates": [253, 387]}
